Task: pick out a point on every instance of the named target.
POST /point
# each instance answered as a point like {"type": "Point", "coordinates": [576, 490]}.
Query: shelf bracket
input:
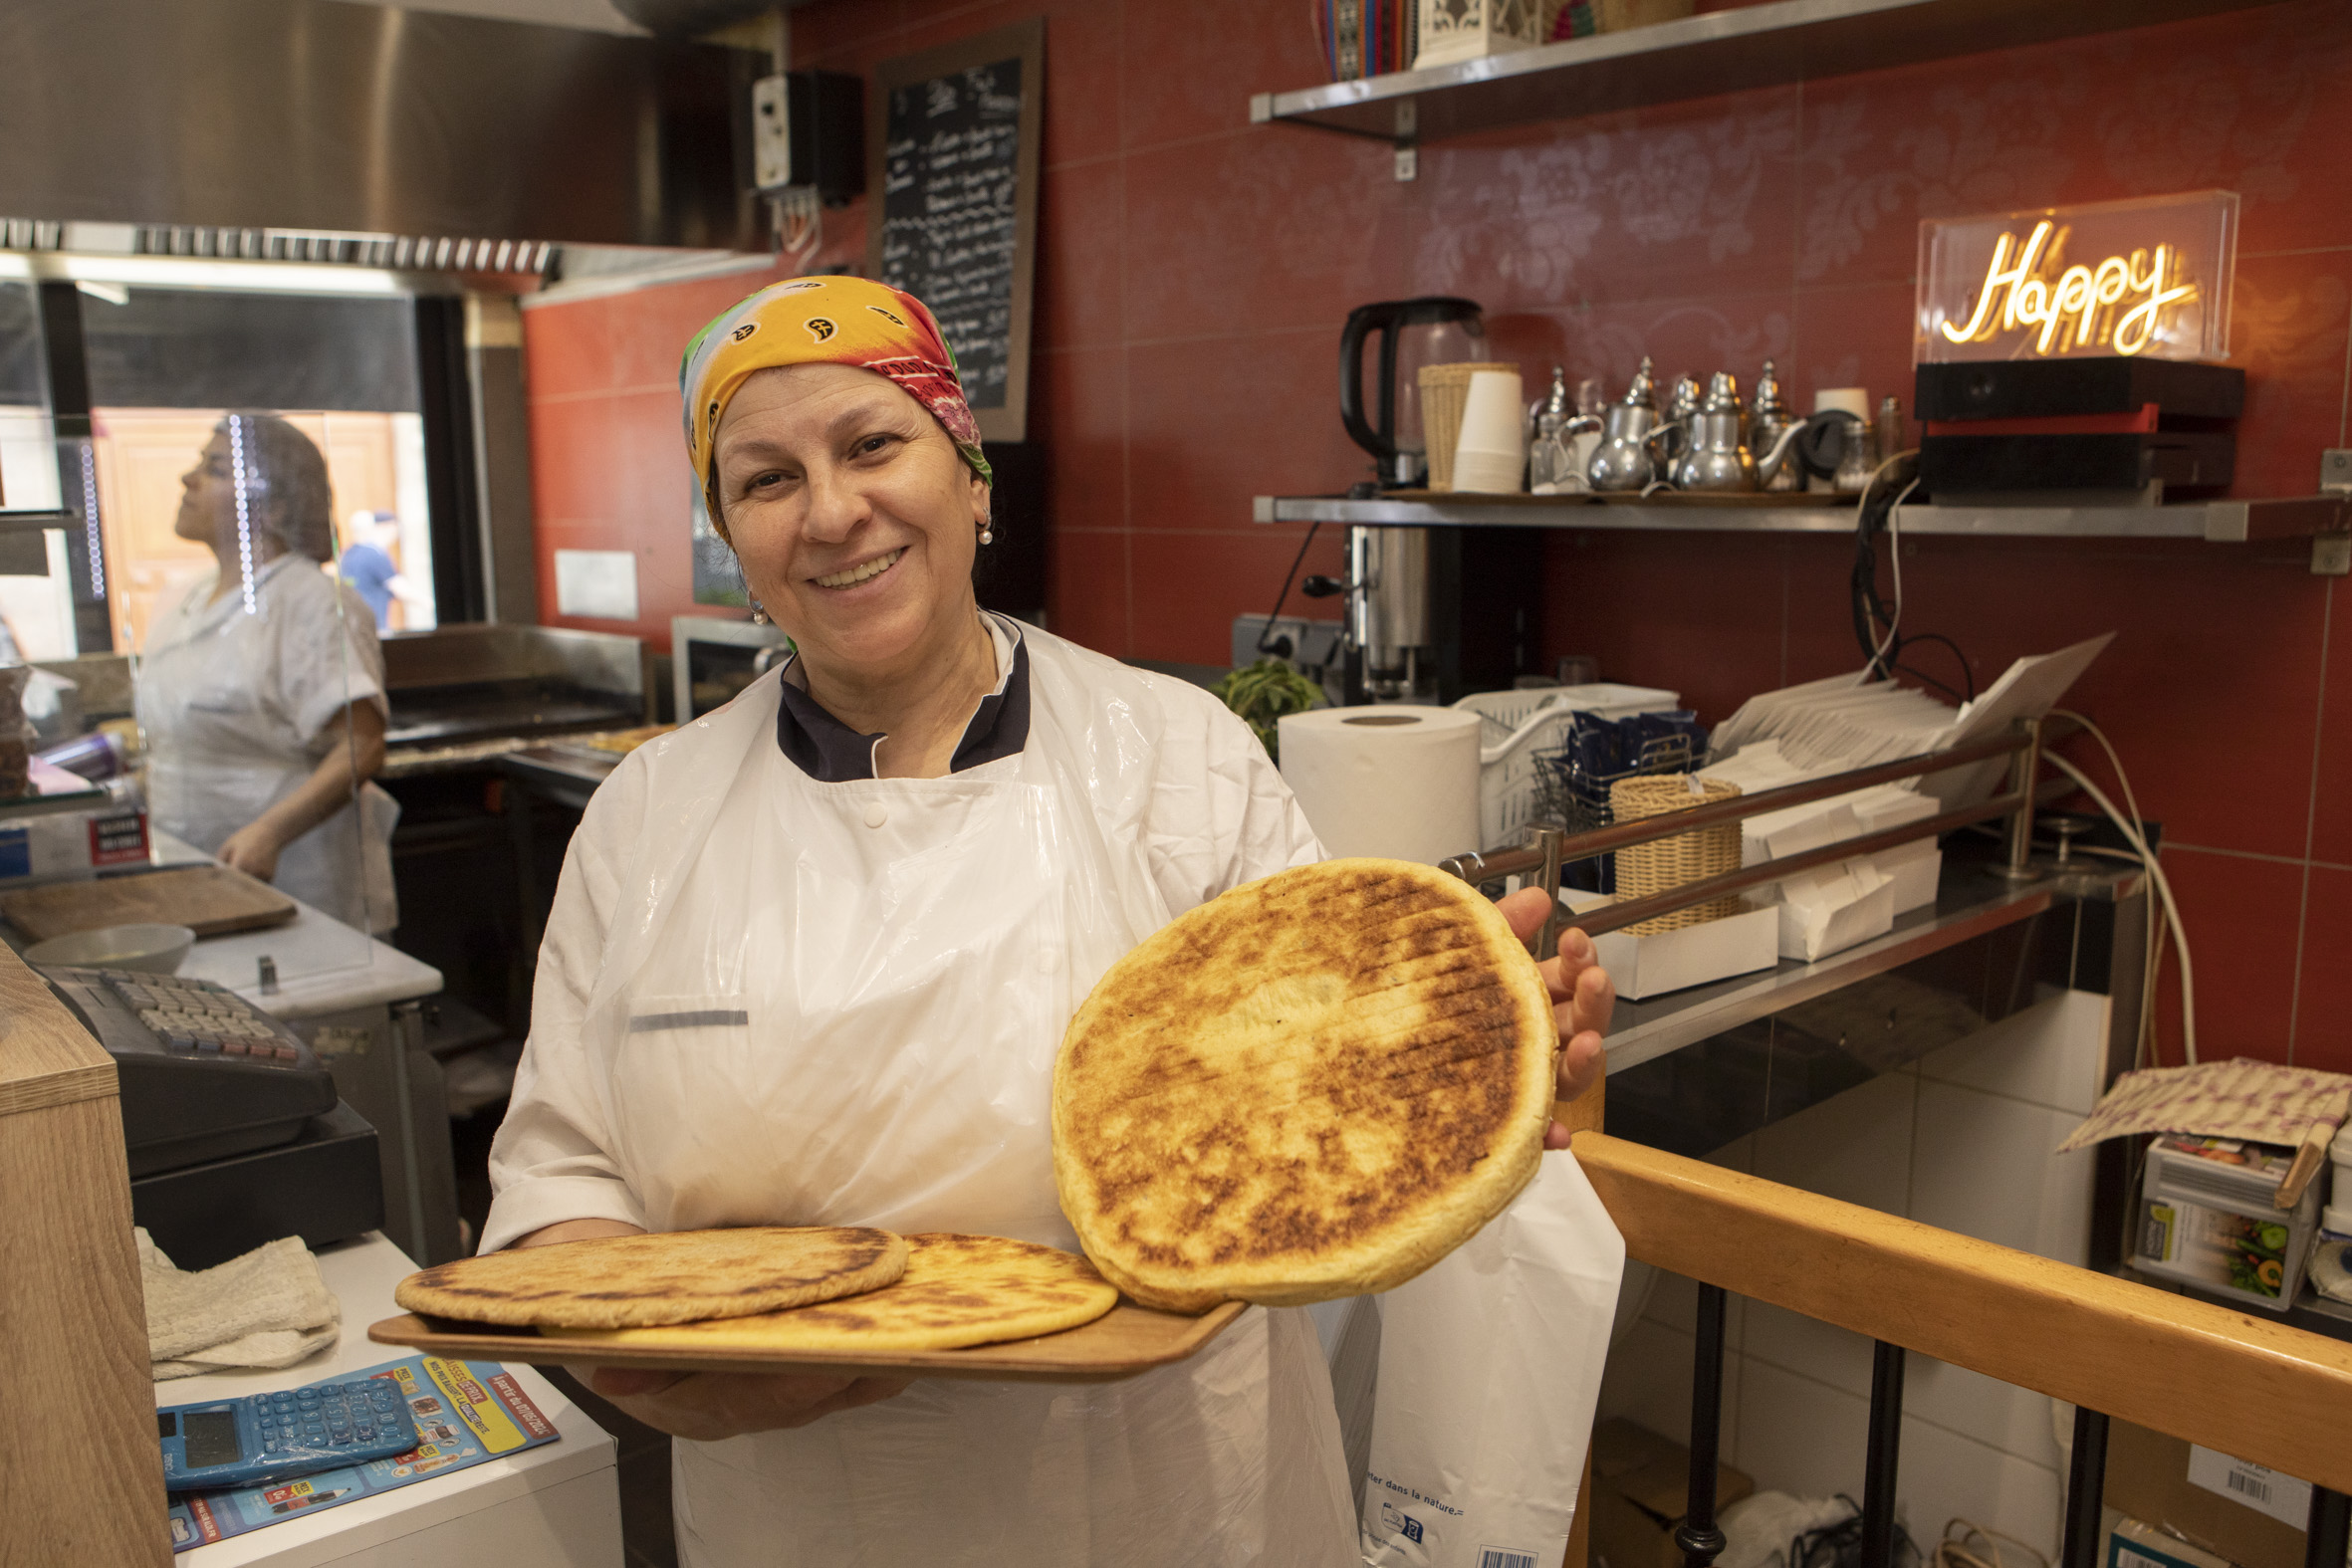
{"type": "Point", "coordinates": [1408, 145]}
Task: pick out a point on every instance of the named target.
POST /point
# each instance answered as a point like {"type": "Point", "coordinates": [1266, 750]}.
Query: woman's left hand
{"type": "Point", "coordinates": [252, 849]}
{"type": "Point", "coordinates": [1582, 996]}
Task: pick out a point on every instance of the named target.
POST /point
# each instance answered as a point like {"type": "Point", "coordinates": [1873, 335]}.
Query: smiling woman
{"type": "Point", "coordinates": [856, 522]}
{"type": "Point", "coordinates": [812, 957]}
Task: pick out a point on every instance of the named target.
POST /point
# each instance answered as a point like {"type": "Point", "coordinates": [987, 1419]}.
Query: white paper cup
{"type": "Point", "coordinates": [1491, 453]}
{"type": "Point", "coordinates": [1491, 473]}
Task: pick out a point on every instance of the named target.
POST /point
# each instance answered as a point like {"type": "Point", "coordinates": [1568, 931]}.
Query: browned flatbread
{"type": "Point", "coordinates": [1314, 1086]}
{"type": "Point", "coordinates": [958, 1290]}
{"type": "Point", "coordinates": [676, 1276]}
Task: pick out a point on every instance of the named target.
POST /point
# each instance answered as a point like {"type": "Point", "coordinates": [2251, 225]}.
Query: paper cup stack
{"type": "Point", "coordinates": [1491, 455]}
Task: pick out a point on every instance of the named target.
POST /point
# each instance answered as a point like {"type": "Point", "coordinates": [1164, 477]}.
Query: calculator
{"type": "Point", "coordinates": [264, 1438]}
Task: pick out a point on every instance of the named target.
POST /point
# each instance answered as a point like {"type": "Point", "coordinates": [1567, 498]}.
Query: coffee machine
{"type": "Point", "coordinates": [1410, 635]}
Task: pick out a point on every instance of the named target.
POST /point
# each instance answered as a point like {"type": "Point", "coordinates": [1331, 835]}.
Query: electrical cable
{"type": "Point", "coordinates": [2157, 929]}
{"type": "Point", "coordinates": [1288, 578]}
{"type": "Point", "coordinates": [1966, 675]}
{"type": "Point", "coordinates": [1870, 610]}
{"type": "Point", "coordinates": [2163, 886]}
{"type": "Point", "coordinates": [1894, 524]}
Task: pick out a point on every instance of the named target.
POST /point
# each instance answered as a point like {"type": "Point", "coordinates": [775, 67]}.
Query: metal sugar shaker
{"type": "Point", "coordinates": [1859, 460]}
{"type": "Point", "coordinates": [1552, 468]}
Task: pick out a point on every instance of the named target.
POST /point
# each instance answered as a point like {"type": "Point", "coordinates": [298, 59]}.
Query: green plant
{"type": "Point", "coordinates": [1263, 693]}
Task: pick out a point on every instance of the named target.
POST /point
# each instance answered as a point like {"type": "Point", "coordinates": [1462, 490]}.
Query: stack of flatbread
{"type": "Point", "coordinates": [779, 1288]}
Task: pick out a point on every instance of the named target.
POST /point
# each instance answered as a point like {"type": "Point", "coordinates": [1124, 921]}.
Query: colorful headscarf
{"type": "Point", "coordinates": [820, 320]}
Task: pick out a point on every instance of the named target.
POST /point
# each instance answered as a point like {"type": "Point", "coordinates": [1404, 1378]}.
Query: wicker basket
{"type": "Point", "coordinates": [1445, 388]}
{"type": "Point", "coordinates": [1666, 864]}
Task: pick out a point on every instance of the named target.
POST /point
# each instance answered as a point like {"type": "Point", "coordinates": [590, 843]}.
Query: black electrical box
{"type": "Point", "coordinates": [2012, 427]}
{"type": "Point", "coordinates": [1964, 465]}
{"type": "Point", "coordinates": [2106, 384]}
{"type": "Point", "coordinates": [808, 133]}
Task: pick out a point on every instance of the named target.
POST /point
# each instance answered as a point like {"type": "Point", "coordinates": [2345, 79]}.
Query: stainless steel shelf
{"type": "Point", "coordinates": [1698, 57]}
{"type": "Point", "coordinates": [2215, 522]}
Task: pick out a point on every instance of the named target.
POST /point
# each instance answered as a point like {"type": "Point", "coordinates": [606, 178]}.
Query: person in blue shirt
{"type": "Point", "coordinates": [368, 564]}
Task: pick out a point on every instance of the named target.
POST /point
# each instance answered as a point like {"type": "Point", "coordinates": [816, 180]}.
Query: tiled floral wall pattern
{"type": "Point", "coordinates": [1194, 271]}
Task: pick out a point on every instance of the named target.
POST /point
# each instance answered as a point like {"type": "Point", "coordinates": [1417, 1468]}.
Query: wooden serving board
{"type": "Point", "coordinates": [209, 900]}
{"type": "Point", "coordinates": [1126, 1341]}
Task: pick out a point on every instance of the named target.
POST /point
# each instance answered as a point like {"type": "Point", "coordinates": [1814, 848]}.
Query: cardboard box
{"type": "Point", "coordinates": [2155, 1479]}
{"type": "Point", "coordinates": [2133, 1544]}
{"type": "Point", "coordinates": [1914, 871]}
{"type": "Point", "coordinates": [1663, 961]}
{"type": "Point", "coordinates": [1640, 1492]}
{"type": "Point", "coordinates": [1831, 908]}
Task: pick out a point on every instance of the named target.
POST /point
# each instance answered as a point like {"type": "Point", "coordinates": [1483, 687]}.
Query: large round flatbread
{"type": "Point", "coordinates": [1314, 1086]}
{"type": "Point", "coordinates": [958, 1290]}
{"type": "Point", "coordinates": [675, 1276]}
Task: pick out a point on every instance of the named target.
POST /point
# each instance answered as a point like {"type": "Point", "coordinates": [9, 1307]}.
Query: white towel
{"type": "Point", "coordinates": [267, 1308]}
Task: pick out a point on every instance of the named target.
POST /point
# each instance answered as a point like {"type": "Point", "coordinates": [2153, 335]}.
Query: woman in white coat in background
{"type": "Point", "coordinates": [261, 688]}
{"type": "Point", "coordinates": [812, 957]}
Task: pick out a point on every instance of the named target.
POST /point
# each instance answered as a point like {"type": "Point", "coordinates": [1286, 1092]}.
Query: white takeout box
{"type": "Point", "coordinates": [1829, 909]}
{"type": "Point", "coordinates": [1664, 961]}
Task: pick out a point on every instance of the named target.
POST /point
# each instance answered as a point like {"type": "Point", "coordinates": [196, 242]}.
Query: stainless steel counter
{"type": "Point", "coordinates": [1692, 1071]}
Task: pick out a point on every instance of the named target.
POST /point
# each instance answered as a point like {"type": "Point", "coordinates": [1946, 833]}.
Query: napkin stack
{"type": "Point", "coordinates": [267, 1308]}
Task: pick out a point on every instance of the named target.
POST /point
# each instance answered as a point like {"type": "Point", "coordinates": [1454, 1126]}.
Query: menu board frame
{"type": "Point", "coordinates": [1024, 40]}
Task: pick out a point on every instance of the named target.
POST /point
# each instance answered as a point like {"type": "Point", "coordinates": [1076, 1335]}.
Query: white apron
{"type": "Point", "coordinates": [844, 1008]}
{"type": "Point", "coordinates": [231, 704]}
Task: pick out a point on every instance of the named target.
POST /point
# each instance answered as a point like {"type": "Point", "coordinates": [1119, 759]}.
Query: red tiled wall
{"type": "Point", "coordinates": [1194, 271]}
{"type": "Point", "coordinates": [608, 466]}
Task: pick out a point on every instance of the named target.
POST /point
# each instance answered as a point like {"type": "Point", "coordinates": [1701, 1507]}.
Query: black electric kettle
{"type": "Point", "coordinates": [1432, 329]}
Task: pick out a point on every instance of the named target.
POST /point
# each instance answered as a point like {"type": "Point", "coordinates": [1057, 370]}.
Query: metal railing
{"type": "Point", "coordinates": [2257, 1390]}
{"type": "Point", "coordinates": [1549, 848]}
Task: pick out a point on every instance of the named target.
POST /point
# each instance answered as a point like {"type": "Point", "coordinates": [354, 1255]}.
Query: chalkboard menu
{"type": "Point", "coordinates": [953, 149]}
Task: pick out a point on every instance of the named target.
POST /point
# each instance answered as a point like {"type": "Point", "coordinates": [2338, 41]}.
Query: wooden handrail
{"type": "Point", "coordinates": [2253, 1387]}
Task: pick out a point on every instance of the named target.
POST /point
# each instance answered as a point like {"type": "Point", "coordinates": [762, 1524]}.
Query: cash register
{"type": "Point", "coordinates": [232, 1125]}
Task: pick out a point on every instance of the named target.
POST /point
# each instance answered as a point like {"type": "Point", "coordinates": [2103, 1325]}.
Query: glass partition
{"type": "Point", "coordinates": [203, 556]}
{"type": "Point", "coordinates": [343, 368]}
{"type": "Point", "coordinates": [259, 680]}
{"type": "Point", "coordinates": [36, 596]}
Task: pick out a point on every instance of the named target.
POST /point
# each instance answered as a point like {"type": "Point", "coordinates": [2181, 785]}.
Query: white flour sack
{"type": "Point", "coordinates": [1489, 1369]}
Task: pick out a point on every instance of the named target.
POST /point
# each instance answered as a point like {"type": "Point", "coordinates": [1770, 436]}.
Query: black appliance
{"type": "Point", "coordinates": [232, 1126]}
{"type": "Point", "coordinates": [1432, 330]}
{"type": "Point", "coordinates": [2106, 423]}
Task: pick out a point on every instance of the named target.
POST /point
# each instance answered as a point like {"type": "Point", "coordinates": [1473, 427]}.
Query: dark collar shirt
{"type": "Point", "coordinates": [829, 751]}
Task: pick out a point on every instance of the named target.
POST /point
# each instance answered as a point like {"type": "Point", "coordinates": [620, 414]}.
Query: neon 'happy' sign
{"type": "Point", "coordinates": [2118, 278]}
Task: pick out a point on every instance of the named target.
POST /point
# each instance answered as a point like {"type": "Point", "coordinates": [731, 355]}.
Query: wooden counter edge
{"type": "Point", "coordinates": [81, 1472]}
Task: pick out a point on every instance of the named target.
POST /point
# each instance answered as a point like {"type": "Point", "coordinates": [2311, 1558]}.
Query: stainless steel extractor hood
{"type": "Point", "coordinates": [325, 115]}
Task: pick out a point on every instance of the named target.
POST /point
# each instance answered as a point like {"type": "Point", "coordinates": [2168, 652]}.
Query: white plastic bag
{"type": "Point", "coordinates": [1489, 1369]}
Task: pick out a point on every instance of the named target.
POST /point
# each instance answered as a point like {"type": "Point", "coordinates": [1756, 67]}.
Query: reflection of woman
{"type": "Point", "coordinates": [261, 691]}
{"type": "Point", "coordinates": [813, 955]}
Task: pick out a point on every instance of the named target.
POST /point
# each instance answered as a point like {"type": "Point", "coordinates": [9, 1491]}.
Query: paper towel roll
{"type": "Point", "coordinates": [1399, 782]}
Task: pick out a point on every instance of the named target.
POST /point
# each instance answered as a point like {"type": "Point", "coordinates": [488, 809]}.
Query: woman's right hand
{"type": "Point", "coordinates": [708, 1406]}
